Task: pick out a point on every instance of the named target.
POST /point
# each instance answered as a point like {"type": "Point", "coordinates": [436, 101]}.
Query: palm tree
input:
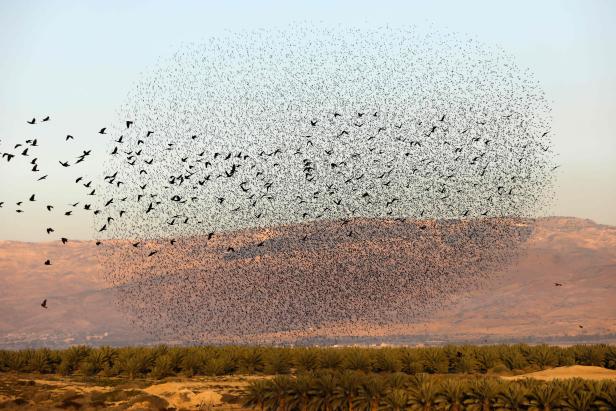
{"type": "Point", "coordinates": [300, 390]}
{"type": "Point", "coordinates": [192, 362]}
{"type": "Point", "coordinates": [485, 358]}
{"type": "Point", "coordinates": [398, 380]}
{"type": "Point", "coordinates": [607, 397]}
{"type": "Point", "coordinates": [579, 401]}
{"type": "Point", "coordinates": [435, 361]}
{"type": "Point", "coordinates": [331, 359]}
{"type": "Point", "coordinates": [110, 356]}
{"type": "Point", "coordinates": [252, 361]}
{"type": "Point", "coordinates": [163, 366]}
{"type": "Point", "coordinates": [279, 392]}
{"type": "Point", "coordinates": [324, 391]}
{"type": "Point", "coordinates": [545, 397]}
{"type": "Point", "coordinates": [257, 394]}
{"type": "Point", "coordinates": [134, 362]}
{"type": "Point", "coordinates": [423, 396]}
{"type": "Point", "coordinates": [451, 395]}
{"type": "Point", "coordinates": [307, 359]}
{"type": "Point", "coordinates": [349, 384]}
{"type": "Point", "coordinates": [396, 400]}
{"type": "Point", "coordinates": [512, 397]}
{"type": "Point", "coordinates": [543, 356]}
{"type": "Point", "coordinates": [610, 357]}
{"type": "Point", "coordinates": [512, 358]}
{"type": "Point", "coordinates": [278, 362]}
{"type": "Point", "coordinates": [40, 361]}
{"type": "Point", "coordinates": [482, 392]}
{"type": "Point", "coordinates": [373, 390]}
{"type": "Point", "coordinates": [410, 361]}
{"type": "Point", "coordinates": [94, 363]}
{"type": "Point", "coordinates": [386, 361]}
{"type": "Point", "coordinates": [358, 360]}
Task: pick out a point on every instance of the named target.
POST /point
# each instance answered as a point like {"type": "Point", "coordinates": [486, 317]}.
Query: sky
{"type": "Point", "coordinates": [76, 61]}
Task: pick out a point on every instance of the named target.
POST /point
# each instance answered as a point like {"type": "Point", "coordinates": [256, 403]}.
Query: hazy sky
{"type": "Point", "coordinates": [77, 60]}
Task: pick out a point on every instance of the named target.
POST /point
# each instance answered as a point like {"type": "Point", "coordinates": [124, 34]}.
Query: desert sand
{"type": "Point", "coordinates": [574, 371]}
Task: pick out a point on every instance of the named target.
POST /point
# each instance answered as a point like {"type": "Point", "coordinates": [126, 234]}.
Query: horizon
{"type": "Point", "coordinates": [81, 240]}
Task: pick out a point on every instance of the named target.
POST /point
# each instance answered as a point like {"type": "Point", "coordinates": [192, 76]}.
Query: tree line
{"type": "Point", "coordinates": [163, 361]}
{"type": "Point", "coordinates": [357, 391]}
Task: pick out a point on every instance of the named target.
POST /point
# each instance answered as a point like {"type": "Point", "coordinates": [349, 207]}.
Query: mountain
{"type": "Point", "coordinates": [519, 303]}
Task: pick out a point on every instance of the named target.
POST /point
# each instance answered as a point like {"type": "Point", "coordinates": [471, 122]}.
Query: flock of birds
{"type": "Point", "coordinates": [238, 203]}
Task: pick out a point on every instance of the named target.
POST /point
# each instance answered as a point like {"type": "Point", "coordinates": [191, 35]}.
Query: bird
{"type": "Point", "coordinates": [50, 230]}
{"type": "Point", "coordinates": [69, 137]}
{"type": "Point", "coordinates": [64, 163]}
{"type": "Point", "coordinates": [64, 240]}
{"type": "Point", "coordinates": [47, 262]}
{"type": "Point", "coordinates": [46, 118]}
{"type": "Point", "coordinates": [102, 130]}
{"type": "Point", "coordinates": [558, 285]}
{"type": "Point", "coordinates": [354, 176]}
{"type": "Point", "coordinates": [33, 121]}
{"type": "Point", "coordinates": [44, 304]}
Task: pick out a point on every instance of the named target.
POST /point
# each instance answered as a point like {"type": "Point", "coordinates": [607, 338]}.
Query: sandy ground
{"type": "Point", "coordinates": [30, 391]}
{"type": "Point", "coordinates": [575, 371]}
{"type": "Point", "coordinates": [24, 391]}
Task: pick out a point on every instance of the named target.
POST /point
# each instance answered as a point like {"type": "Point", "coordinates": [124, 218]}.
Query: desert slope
{"type": "Point", "coordinates": [521, 304]}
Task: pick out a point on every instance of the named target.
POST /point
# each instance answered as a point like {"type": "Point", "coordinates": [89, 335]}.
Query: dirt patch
{"type": "Point", "coordinates": [185, 394]}
{"type": "Point", "coordinates": [575, 371]}
{"type": "Point", "coordinates": [28, 391]}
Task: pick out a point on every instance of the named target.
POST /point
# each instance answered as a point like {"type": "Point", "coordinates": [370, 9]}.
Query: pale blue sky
{"type": "Point", "coordinates": [77, 60]}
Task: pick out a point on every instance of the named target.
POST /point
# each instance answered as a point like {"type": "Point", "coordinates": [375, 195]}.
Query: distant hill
{"type": "Point", "coordinates": [520, 304]}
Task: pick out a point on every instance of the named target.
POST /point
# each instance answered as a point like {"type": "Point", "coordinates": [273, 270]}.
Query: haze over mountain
{"type": "Point", "coordinates": [522, 303]}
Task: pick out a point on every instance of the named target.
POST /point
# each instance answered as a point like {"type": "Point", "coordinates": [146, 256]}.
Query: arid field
{"type": "Point", "coordinates": [21, 391]}
{"type": "Point", "coordinates": [520, 377]}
